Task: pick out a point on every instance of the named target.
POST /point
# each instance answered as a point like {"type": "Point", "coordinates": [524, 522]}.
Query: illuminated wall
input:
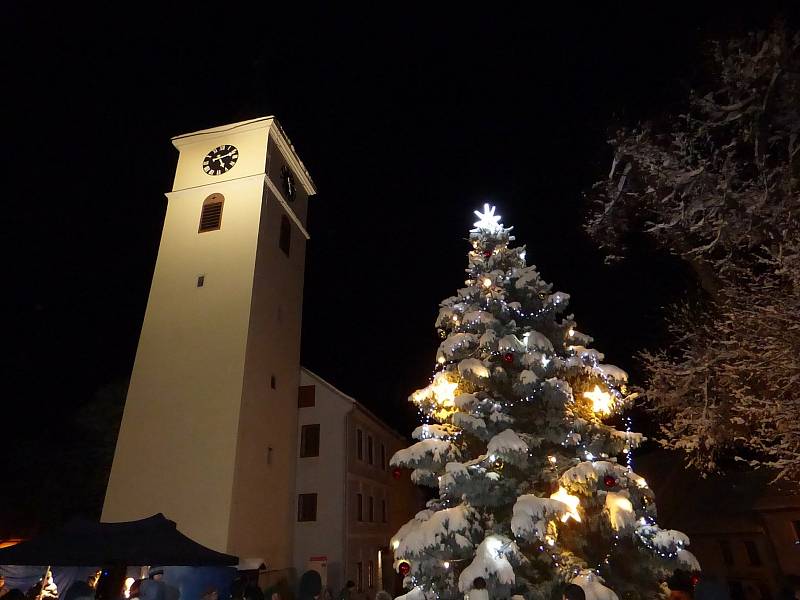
{"type": "Point", "coordinates": [208, 433]}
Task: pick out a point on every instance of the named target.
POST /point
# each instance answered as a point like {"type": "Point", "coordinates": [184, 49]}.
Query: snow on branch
{"type": "Point", "coordinates": [491, 561]}
{"type": "Point", "coordinates": [425, 453]}
{"type": "Point", "coordinates": [531, 514]}
{"type": "Point", "coordinates": [428, 529]}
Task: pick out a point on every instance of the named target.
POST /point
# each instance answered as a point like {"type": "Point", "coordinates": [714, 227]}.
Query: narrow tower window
{"type": "Point", "coordinates": [285, 239]}
{"type": "Point", "coordinates": [211, 215]}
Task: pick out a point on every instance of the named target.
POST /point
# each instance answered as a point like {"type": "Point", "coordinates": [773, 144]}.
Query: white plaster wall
{"type": "Point", "coordinates": [324, 475]}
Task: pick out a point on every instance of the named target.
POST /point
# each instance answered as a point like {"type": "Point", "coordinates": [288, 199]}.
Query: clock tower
{"type": "Point", "coordinates": [208, 436]}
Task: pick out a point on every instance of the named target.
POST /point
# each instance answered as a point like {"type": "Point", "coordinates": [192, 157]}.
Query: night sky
{"type": "Point", "coordinates": [407, 121]}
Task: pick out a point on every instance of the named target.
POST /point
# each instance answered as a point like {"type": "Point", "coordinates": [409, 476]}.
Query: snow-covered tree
{"type": "Point", "coordinates": [719, 187]}
{"type": "Point", "coordinates": [534, 487]}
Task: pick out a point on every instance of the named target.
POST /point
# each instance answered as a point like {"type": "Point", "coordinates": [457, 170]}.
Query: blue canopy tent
{"type": "Point", "coordinates": [84, 543]}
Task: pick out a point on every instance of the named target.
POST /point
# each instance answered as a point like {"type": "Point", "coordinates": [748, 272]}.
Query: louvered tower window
{"type": "Point", "coordinates": [211, 215]}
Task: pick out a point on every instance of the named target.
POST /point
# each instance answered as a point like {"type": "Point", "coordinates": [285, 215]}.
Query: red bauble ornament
{"type": "Point", "coordinates": [695, 579]}
{"type": "Point", "coordinates": [609, 481]}
{"type": "Point", "coordinates": [487, 253]}
{"type": "Point", "coordinates": [508, 357]}
{"type": "Point", "coordinates": [404, 568]}
{"type": "Point", "coordinates": [396, 472]}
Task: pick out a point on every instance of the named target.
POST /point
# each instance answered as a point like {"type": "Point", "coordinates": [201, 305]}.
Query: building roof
{"type": "Point", "coordinates": [356, 404]}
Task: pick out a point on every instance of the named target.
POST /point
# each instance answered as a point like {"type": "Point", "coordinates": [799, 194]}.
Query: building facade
{"type": "Point", "coordinates": [744, 530]}
{"type": "Point", "coordinates": [349, 503]}
{"type": "Point", "coordinates": [209, 428]}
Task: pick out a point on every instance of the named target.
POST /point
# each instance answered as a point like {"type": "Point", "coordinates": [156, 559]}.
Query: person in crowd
{"type": "Point", "coordinates": [711, 587]}
{"type": "Point", "coordinates": [50, 590]}
{"type": "Point", "coordinates": [135, 591]}
{"type": "Point", "coordinates": [478, 591]}
{"type": "Point", "coordinates": [310, 586]}
{"type": "Point", "coordinates": [45, 589]}
{"type": "Point", "coordinates": [680, 586]}
{"type": "Point", "coordinates": [153, 587]}
{"type": "Point", "coordinates": [574, 592]}
{"type": "Point", "coordinates": [83, 590]}
{"type": "Point", "coordinates": [347, 591]}
{"type": "Point", "coordinates": [253, 592]}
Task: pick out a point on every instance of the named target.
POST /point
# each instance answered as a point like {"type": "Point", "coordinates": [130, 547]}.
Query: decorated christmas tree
{"type": "Point", "coordinates": [534, 483]}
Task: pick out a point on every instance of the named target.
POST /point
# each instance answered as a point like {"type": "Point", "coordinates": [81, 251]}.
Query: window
{"type": "Point", "coordinates": [371, 510]}
{"type": "Point", "coordinates": [285, 239]}
{"type": "Point", "coordinates": [272, 382]}
{"type": "Point", "coordinates": [369, 449]}
{"type": "Point", "coordinates": [383, 457]}
{"type": "Point", "coordinates": [211, 213]}
{"type": "Point", "coordinates": [383, 511]}
{"type": "Point", "coordinates": [359, 444]}
{"type": "Point", "coordinates": [752, 553]}
{"type": "Point", "coordinates": [201, 280]}
{"type": "Point", "coordinates": [370, 574]}
{"type": "Point", "coordinates": [306, 396]}
{"type": "Point", "coordinates": [307, 507]}
{"type": "Point", "coordinates": [359, 507]}
{"type": "Point", "coordinates": [360, 576]}
{"type": "Point", "coordinates": [309, 440]}
{"type": "Point", "coordinates": [727, 553]}
{"type": "Point", "coordinates": [796, 527]}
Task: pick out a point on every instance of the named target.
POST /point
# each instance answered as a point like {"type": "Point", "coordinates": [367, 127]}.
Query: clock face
{"type": "Point", "coordinates": [220, 160]}
{"type": "Point", "coordinates": [289, 188]}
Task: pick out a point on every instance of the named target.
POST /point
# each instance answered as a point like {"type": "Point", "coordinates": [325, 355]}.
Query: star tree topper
{"type": "Point", "coordinates": [487, 220]}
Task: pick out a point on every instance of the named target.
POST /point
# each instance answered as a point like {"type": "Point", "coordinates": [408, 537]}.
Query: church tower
{"type": "Point", "coordinates": [208, 436]}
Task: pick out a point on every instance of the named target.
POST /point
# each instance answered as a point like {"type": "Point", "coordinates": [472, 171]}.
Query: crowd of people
{"type": "Point", "coordinates": [46, 589]}
{"type": "Point", "coordinates": [310, 588]}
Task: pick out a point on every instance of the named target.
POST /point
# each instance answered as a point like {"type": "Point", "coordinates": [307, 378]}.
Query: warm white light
{"type": "Point", "coordinates": [620, 510]}
{"type": "Point", "coordinates": [442, 392]}
{"type": "Point", "coordinates": [455, 318]}
{"type": "Point", "coordinates": [571, 332]}
{"type": "Point", "coordinates": [551, 459]}
{"type": "Point", "coordinates": [487, 283]}
{"type": "Point", "coordinates": [395, 544]}
{"type": "Point", "coordinates": [545, 361]}
{"type": "Point", "coordinates": [446, 564]}
{"type": "Point", "coordinates": [487, 220]}
{"type": "Point", "coordinates": [550, 540]}
{"type": "Point", "coordinates": [572, 503]}
{"type": "Point", "coordinates": [522, 256]}
{"type": "Point", "coordinates": [441, 360]}
{"type": "Point", "coordinates": [602, 402]}
{"type": "Point", "coordinates": [128, 583]}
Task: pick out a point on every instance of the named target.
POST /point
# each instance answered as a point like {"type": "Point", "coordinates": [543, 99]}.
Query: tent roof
{"type": "Point", "coordinates": [151, 541]}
